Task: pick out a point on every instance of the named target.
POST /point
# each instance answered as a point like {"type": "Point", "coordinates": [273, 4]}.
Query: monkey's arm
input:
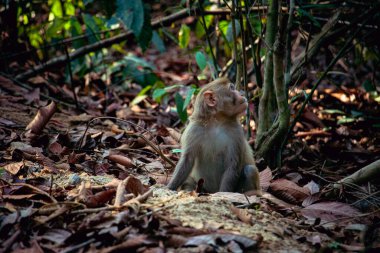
{"type": "Point", "coordinates": [182, 170]}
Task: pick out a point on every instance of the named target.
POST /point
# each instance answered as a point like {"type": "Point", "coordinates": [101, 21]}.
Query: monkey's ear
{"type": "Point", "coordinates": [210, 98]}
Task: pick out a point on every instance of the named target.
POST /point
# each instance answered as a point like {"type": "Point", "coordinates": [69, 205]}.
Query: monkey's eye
{"type": "Point", "coordinates": [232, 86]}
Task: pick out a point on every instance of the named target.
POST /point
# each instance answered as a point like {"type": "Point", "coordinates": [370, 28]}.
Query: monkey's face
{"type": "Point", "coordinates": [220, 98]}
{"type": "Point", "coordinates": [234, 104]}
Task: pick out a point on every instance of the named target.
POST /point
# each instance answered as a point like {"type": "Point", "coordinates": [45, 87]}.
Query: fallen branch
{"type": "Point", "coordinates": [165, 21]}
{"type": "Point", "coordinates": [361, 176]}
{"type": "Point", "coordinates": [101, 44]}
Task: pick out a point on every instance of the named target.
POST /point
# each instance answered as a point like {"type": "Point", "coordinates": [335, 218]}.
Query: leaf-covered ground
{"type": "Point", "coordinates": [92, 179]}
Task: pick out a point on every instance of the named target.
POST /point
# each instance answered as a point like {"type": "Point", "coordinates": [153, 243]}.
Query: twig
{"type": "Point", "coordinates": [71, 77]}
{"type": "Point", "coordinates": [119, 199]}
{"type": "Point", "coordinates": [30, 89]}
{"type": "Point", "coordinates": [349, 218]}
{"type": "Point", "coordinates": [244, 66]}
{"type": "Point", "coordinates": [203, 22]}
{"type": "Point", "coordinates": [155, 211]}
{"type": "Point", "coordinates": [226, 11]}
{"type": "Point", "coordinates": [102, 44]}
{"type": "Point", "coordinates": [37, 190]}
{"type": "Point", "coordinates": [155, 148]}
{"type": "Point", "coordinates": [363, 175]}
{"type": "Point", "coordinates": [95, 210]}
{"type": "Point", "coordinates": [341, 52]}
{"type": "Point", "coordinates": [236, 55]}
{"type": "Point", "coordinates": [9, 242]}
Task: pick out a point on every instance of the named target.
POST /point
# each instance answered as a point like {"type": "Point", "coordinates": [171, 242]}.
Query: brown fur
{"type": "Point", "coordinates": [214, 146]}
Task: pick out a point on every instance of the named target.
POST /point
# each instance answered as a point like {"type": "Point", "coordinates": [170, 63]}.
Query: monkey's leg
{"type": "Point", "coordinates": [249, 179]}
{"type": "Point", "coordinates": [230, 180]}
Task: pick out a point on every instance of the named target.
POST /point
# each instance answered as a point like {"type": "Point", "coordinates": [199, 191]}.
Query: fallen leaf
{"type": "Point", "coordinates": [217, 239]}
{"type": "Point", "coordinates": [13, 168]}
{"type": "Point", "coordinates": [312, 186]}
{"type": "Point", "coordinates": [265, 178]}
{"type": "Point", "coordinates": [242, 215]}
{"type": "Point", "coordinates": [100, 199]}
{"type": "Point", "coordinates": [121, 159]}
{"type": "Point", "coordinates": [329, 211]}
{"type": "Point", "coordinates": [42, 118]}
{"type": "Point", "coordinates": [135, 186]}
{"type": "Point", "coordinates": [286, 189]}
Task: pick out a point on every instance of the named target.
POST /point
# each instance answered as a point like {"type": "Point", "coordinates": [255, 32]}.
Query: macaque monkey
{"type": "Point", "coordinates": [214, 146]}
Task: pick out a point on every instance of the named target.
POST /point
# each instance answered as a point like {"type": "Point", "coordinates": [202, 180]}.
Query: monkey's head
{"type": "Point", "coordinates": [219, 99]}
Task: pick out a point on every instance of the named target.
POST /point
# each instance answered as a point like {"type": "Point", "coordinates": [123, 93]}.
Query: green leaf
{"type": "Point", "coordinates": [184, 36]}
{"type": "Point", "coordinates": [138, 99]}
{"type": "Point", "coordinates": [345, 120]}
{"type": "Point", "coordinates": [201, 60]}
{"type": "Point", "coordinates": [169, 35]}
{"type": "Point", "coordinates": [199, 29]}
{"type": "Point", "coordinates": [180, 107]}
{"type": "Point", "coordinates": [158, 94]}
{"type": "Point", "coordinates": [223, 26]}
{"type": "Point", "coordinates": [131, 13]}
{"type": "Point", "coordinates": [189, 94]}
{"type": "Point", "coordinates": [69, 9]}
{"type": "Point", "coordinates": [229, 35]}
{"type": "Point", "coordinates": [56, 9]}
{"type": "Point", "coordinates": [92, 28]}
{"type": "Point", "coordinates": [146, 32]}
{"type": "Point", "coordinates": [368, 86]}
{"type": "Point", "coordinates": [141, 96]}
{"type": "Point", "coordinates": [85, 2]}
{"type": "Point", "coordinates": [356, 114]}
{"type": "Point", "coordinates": [157, 42]}
{"type": "Point", "coordinates": [55, 28]}
{"type": "Point", "coordinates": [309, 16]}
{"type": "Point", "coordinates": [176, 150]}
{"type": "Point", "coordinates": [76, 30]}
{"type": "Point", "coordinates": [138, 61]}
{"type": "Point", "coordinates": [333, 111]}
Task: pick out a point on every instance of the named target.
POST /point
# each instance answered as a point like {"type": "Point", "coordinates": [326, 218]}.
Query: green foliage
{"type": "Point", "coordinates": [134, 68]}
{"type": "Point", "coordinates": [333, 111]}
{"type": "Point", "coordinates": [131, 13]}
{"type": "Point", "coordinates": [141, 96]}
{"type": "Point", "coordinates": [76, 30]}
{"type": "Point", "coordinates": [306, 14]}
{"type": "Point", "coordinates": [56, 9]}
{"type": "Point", "coordinates": [136, 16]}
{"type": "Point", "coordinates": [92, 28]}
{"type": "Point", "coordinates": [145, 35]}
{"type": "Point", "coordinates": [184, 36]}
{"type": "Point", "coordinates": [182, 104]}
{"type": "Point", "coordinates": [201, 60]}
{"type": "Point", "coordinates": [346, 120]}
{"type": "Point", "coordinates": [157, 42]}
{"type": "Point", "coordinates": [368, 86]}
{"type": "Point", "coordinates": [199, 29]}
{"type": "Point", "coordinates": [229, 34]}
{"type": "Point", "coordinates": [159, 93]}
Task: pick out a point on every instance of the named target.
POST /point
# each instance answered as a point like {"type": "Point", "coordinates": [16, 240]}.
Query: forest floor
{"type": "Point", "coordinates": [92, 179]}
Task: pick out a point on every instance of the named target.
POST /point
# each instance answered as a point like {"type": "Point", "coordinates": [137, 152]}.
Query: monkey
{"type": "Point", "coordinates": [214, 147]}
